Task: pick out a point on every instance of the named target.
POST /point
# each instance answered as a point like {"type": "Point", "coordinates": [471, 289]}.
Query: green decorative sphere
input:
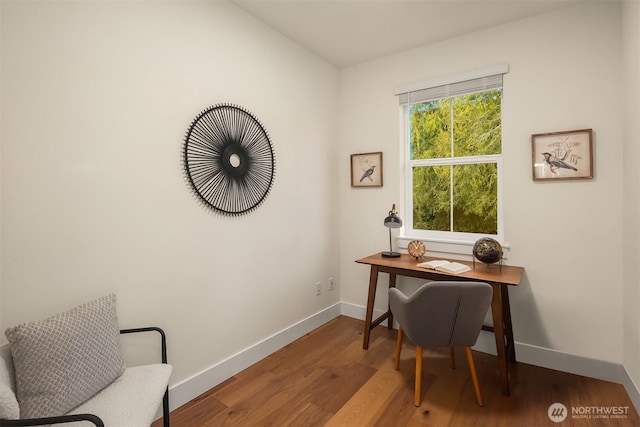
{"type": "Point", "coordinates": [487, 250]}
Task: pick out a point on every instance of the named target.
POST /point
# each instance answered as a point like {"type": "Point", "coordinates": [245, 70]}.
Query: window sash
{"type": "Point", "coordinates": [408, 231]}
{"type": "Point", "coordinates": [446, 161]}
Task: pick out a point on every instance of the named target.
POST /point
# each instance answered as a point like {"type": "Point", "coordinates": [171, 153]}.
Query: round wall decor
{"type": "Point", "coordinates": [228, 159]}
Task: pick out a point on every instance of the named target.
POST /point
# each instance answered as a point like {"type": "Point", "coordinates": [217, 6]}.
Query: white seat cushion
{"type": "Point", "coordinates": [132, 400]}
{"type": "Point", "coordinates": [9, 409]}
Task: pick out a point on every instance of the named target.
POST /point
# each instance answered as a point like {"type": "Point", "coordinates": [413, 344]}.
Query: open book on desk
{"type": "Point", "coordinates": [446, 266]}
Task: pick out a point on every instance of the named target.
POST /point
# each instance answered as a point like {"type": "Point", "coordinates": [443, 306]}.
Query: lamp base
{"type": "Point", "coordinates": [391, 254]}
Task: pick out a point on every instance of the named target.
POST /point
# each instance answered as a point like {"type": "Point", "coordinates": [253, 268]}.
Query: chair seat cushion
{"type": "Point", "coordinates": [132, 400]}
{"type": "Point", "coordinates": [9, 409]}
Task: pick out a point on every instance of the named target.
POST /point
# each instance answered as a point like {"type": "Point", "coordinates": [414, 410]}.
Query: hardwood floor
{"type": "Point", "coordinates": [326, 379]}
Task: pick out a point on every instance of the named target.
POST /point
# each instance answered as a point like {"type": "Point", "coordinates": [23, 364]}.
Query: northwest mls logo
{"type": "Point", "coordinates": [557, 412]}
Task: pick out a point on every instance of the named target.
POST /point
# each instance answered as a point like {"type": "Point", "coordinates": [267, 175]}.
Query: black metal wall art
{"type": "Point", "coordinates": [228, 159]}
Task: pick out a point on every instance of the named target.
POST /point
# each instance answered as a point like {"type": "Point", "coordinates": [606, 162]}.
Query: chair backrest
{"type": "Point", "coordinates": [442, 314]}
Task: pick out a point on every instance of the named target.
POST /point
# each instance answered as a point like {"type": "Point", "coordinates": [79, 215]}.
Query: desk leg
{"type": "Point", "coordinates": [392, 284]}
{"type": "Point", "coordinates": [508, 328]}
{"type": "Point", "coordinates": [373, 283]}
{"type": "Point", "coordinates": [498, 327]}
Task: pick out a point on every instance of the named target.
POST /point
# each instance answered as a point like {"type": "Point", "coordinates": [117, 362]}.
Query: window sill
{"type": "Point", "coordinates": [447, 246]}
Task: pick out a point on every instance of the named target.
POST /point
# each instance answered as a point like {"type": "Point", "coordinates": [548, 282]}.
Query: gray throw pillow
{"type": "Point", "coordinates": [62, 361]}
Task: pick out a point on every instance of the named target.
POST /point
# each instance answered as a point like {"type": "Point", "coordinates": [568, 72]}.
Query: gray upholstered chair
{"type": "Point", "coordinates": [441, 314]}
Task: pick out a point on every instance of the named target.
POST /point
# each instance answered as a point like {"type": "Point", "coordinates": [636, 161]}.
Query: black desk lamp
{"type": "Point", "coordinates": [392, 221]}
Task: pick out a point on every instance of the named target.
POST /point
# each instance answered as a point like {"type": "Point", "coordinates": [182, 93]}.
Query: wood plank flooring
{"type": "Point", "coordinates": [326, 379]}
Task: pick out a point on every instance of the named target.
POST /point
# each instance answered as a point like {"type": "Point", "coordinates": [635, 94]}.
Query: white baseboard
{"type": "Point", "coordinates": [190, 388]}
{"type": "Point", "coordinates": [186, 390]}
{"type": "Point", "coordinates": [632, 390]}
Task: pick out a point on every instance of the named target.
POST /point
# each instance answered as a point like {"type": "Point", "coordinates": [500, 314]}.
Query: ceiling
{"type": "Point", "coordinates": [348, 32]}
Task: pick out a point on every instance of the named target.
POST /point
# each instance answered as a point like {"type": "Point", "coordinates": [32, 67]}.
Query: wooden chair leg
{"type": "Point", "coordinates": [399, 347]}
{"type": "Point", "coordinates": [474, 376]}
{"type": "Point", "coordinates": [452, 352]}
{"type": "Point", "coordinates": [418, 398]}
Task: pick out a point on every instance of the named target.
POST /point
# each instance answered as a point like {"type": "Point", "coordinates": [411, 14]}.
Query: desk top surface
{"type": "Point", "coordinates": [407, 265]}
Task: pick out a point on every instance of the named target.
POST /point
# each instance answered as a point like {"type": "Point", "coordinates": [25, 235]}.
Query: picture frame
{"type": "Point", "coordinates": [366, 169]}
{"type": "Point", "coordinates": [562, 155]}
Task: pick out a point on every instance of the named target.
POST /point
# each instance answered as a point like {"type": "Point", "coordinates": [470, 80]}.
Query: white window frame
{"type": "Point", "coordinates": [447, 242]}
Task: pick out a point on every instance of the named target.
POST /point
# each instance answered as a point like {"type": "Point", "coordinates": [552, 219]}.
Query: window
{"type": "Point", "coordinates": [452, 147]}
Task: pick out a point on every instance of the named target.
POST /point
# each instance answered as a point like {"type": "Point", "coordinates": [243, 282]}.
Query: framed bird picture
{"type": "Point", "coordinates": [562, 155]}
{"type": "Point", "coordinates": [366, 170]}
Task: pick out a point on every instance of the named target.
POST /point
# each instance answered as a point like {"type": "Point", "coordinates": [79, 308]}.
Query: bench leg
{"type": "Point", "coordinates": [165, 408]}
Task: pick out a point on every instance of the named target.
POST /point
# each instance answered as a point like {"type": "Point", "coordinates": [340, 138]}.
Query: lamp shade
{"type": "Point", "coordinates": [393, 220]}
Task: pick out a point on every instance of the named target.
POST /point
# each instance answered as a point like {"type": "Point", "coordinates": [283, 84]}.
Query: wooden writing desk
{"type": "Point", "coordinates": [498, 278]}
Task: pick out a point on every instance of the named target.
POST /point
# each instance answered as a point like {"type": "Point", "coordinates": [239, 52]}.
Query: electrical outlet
{"type": "Point", "coordinates": [330, 283]}
{"type": "Point", "coordinates": [318, 289]}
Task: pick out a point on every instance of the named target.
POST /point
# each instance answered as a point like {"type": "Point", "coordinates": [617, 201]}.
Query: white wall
{"type": "Point", "coordinates": [568, 235]}
{"type": "Point", "coordinates": [96, 100]}
{"type": "Point", "coordinates": [631, 292]}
